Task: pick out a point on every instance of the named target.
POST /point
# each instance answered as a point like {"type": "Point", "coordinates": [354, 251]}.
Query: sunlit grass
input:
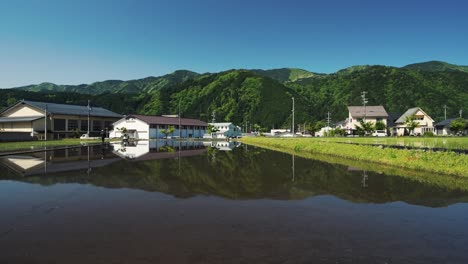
{"type": "Point", "coordinates": [450, 143]}
{"type": "Point", "coordinates": [429, 161]}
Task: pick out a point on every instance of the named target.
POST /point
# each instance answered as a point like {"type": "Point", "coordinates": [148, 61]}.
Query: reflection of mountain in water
{"type": "Point", "coordinates": [251, 173]}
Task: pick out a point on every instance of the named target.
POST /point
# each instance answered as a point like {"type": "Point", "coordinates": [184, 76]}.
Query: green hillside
{"type": "Point", "coordinates": [116, 86]}
{"type": "Point", "coordinates": [286, 74]}
{"type": "Point", "coordinates": [264, 97]}
{"type": "Point", "coordinates": [436, 66]}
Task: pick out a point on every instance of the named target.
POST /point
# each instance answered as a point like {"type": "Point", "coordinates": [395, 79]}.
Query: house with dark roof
{"type": "Point", "coordinates": [443, 127]}
{"type": "Point", "coordinates": [27, 118]}
{"type": "Point", "coordinates": [149, 127]}
{"type": "Point", "coordinates": [425, 122]}
{"type": "Point", "coordinates": [370, 113]}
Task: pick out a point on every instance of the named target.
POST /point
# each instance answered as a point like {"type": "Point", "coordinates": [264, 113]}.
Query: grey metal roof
{"type": "Point", "coordinates": [409, 112]}
{"type": "Point", "coordinates": [447, 122]}
{"type": "Point", "coordinates": [66, 109]}
{"type": "Point", "coordinates": [19, 119]}
{"type": "Point", "coordinates": [369, 111]}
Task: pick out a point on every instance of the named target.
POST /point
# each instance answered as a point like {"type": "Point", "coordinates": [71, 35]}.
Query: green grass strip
{"type": "Point", "coordinates": [430, 162]}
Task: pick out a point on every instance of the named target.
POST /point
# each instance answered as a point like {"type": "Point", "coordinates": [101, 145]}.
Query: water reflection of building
{"type": "Point", "coordinates": [60, 160]}
{"type": "Point", "coordinates": [158, 149]}
{"type": "Point", "coordinates": [222, 145]}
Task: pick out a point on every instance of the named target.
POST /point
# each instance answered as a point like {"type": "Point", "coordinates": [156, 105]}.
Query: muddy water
{"type": "Point", "coordinates": [189, 202]}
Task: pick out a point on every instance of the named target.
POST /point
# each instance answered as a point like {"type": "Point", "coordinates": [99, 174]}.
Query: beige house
{"type": "Point", "coordinates": [26, 119]}
{"type": "Point", "coordinates": [425, 123]}
{"type": "Point", "coordinates": [368, 113]}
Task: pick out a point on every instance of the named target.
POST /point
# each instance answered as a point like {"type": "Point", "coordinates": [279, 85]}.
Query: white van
{"type": "Point", "coordinates": [379, 133]}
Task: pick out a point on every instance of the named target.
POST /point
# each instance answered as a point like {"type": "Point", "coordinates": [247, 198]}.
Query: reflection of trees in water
{"type": "Point", "coordinates": [259, 173]}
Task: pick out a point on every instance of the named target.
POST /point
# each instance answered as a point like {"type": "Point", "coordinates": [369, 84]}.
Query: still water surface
{"type": "Point", "coordinates": [189, 202]}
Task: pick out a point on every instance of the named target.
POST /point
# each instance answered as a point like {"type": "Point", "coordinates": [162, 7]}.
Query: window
{"type": "Point", "coordinates": [84, 125]}
{"type": "Point", "coordinates": [59, 124]}
{"type": "Point", "coordinates": [97, 125]}
{"type": "Point", "coordinates": [72, 124]}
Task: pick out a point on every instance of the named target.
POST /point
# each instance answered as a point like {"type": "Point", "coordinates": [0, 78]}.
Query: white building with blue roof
{"type": "Point", "coordinates": [26, 119]}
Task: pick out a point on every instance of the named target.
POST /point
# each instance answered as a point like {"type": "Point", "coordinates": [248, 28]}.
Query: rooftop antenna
{"type": "Point", "coordinates": [364, 102]}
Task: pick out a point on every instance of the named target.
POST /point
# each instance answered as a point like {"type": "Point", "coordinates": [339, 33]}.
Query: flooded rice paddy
{"type": "Point", "coordinates": [195, 202]}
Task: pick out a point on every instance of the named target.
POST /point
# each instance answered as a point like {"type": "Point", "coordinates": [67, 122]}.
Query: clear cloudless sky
{"type": "Point", "coordinates": [73, 42]}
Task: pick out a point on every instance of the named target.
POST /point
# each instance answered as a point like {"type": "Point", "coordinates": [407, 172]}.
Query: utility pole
{"type": "Point", "coordinates": [213, 117]}
{"type": "Point", "coordinates": [364, 102]}
{"type": "Point", "coordinates": [45, 123]}
{"type": "Point", "coordinates": [445, 112]}
{"type": "Point", "coordinates": [461, 113]}
{"type": "Point", "coordinates": [89, 113]}
{"type": "Point", "coordinates": [328, 119]}
{"type": "Point", "coordinates": [180, 128]}
{"type": "Point", "coordinates": [292, 117]}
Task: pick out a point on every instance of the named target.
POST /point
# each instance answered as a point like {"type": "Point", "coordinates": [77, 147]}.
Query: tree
{"type": "Point", "coordinates": [411, 124]}
{"type": "Point", "coordinates": [169, 130]}
{"type": "Point", "coordinates": [380, 125]}
{"type": "Point", "coordinates": [458, 125]}
{"type": "Point", "coordinates": [365, 128]}
{"type": "Point", "coordinates": [212, 129]}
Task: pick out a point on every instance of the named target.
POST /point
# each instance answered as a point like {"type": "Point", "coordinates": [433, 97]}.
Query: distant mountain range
{"type": "Point", "coordinates": [264, 96]}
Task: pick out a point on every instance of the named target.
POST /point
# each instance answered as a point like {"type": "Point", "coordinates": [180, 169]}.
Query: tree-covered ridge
{"type": "Point", "coordinates": [286, 74]}
{"type": "Point", "coordinates": [148, 84]}
{"type": "Point", "coordinates": [436, 66]}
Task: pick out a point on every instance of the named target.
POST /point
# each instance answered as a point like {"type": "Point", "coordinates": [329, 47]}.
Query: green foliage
{"type": "Point", "coordinates": [365, 128]}
{"type": "Point", "coordinates": [410, 123]}
{"type": "Point", "coordinates": [212, 129]}
{"type": "Point", "coordinates": [380, 125]}
{"type": "Point", "coordinates": [168, 131]}
{"type": "Point", "coordinates": [429, 134]}
{"type": "Point", "coordinates": [458, 125]}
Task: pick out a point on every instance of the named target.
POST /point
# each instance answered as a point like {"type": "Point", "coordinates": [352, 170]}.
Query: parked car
{"type": "Point", "coordinates": [379, 133]}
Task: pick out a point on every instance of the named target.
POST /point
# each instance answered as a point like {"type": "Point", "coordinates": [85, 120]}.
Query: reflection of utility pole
{"type": "Point", "coordinates": [365, 179]}
{"type": "Point", "coordinates": [45, 162]}
{"type": "Point", "coordinates": [293, 167]}
{"type": "Point", "coordinates": [89, 162]}
{"type": "Point", "coordinates": [292, 117]}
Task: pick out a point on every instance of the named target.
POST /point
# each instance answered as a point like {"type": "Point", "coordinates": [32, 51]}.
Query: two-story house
{"type": "Point", "coordinates": [372, 114]}
{"type": "Point", "coordinates": [424, 123]}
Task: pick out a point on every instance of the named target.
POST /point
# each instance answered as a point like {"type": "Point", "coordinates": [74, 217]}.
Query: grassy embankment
{"type": "Point", "coordinates": [436, 162]}
{"type": "Point", "coordinates": [450, 143]}
{"type": "Point", "coordinates": [31, 145]}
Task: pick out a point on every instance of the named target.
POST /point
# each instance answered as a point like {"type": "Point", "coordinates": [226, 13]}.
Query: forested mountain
{"type": "Point", "coordinates": [148, 84]}
{"type": "Point", "coordinates": [264, 96]}
{"type": "Point", "coordinates": [286, 74]}
{"type": "Point", "coordinates": [436, 66]}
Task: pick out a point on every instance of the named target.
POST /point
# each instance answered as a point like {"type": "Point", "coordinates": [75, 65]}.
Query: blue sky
{"type": "Point", "coordinates": [72, 42]}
